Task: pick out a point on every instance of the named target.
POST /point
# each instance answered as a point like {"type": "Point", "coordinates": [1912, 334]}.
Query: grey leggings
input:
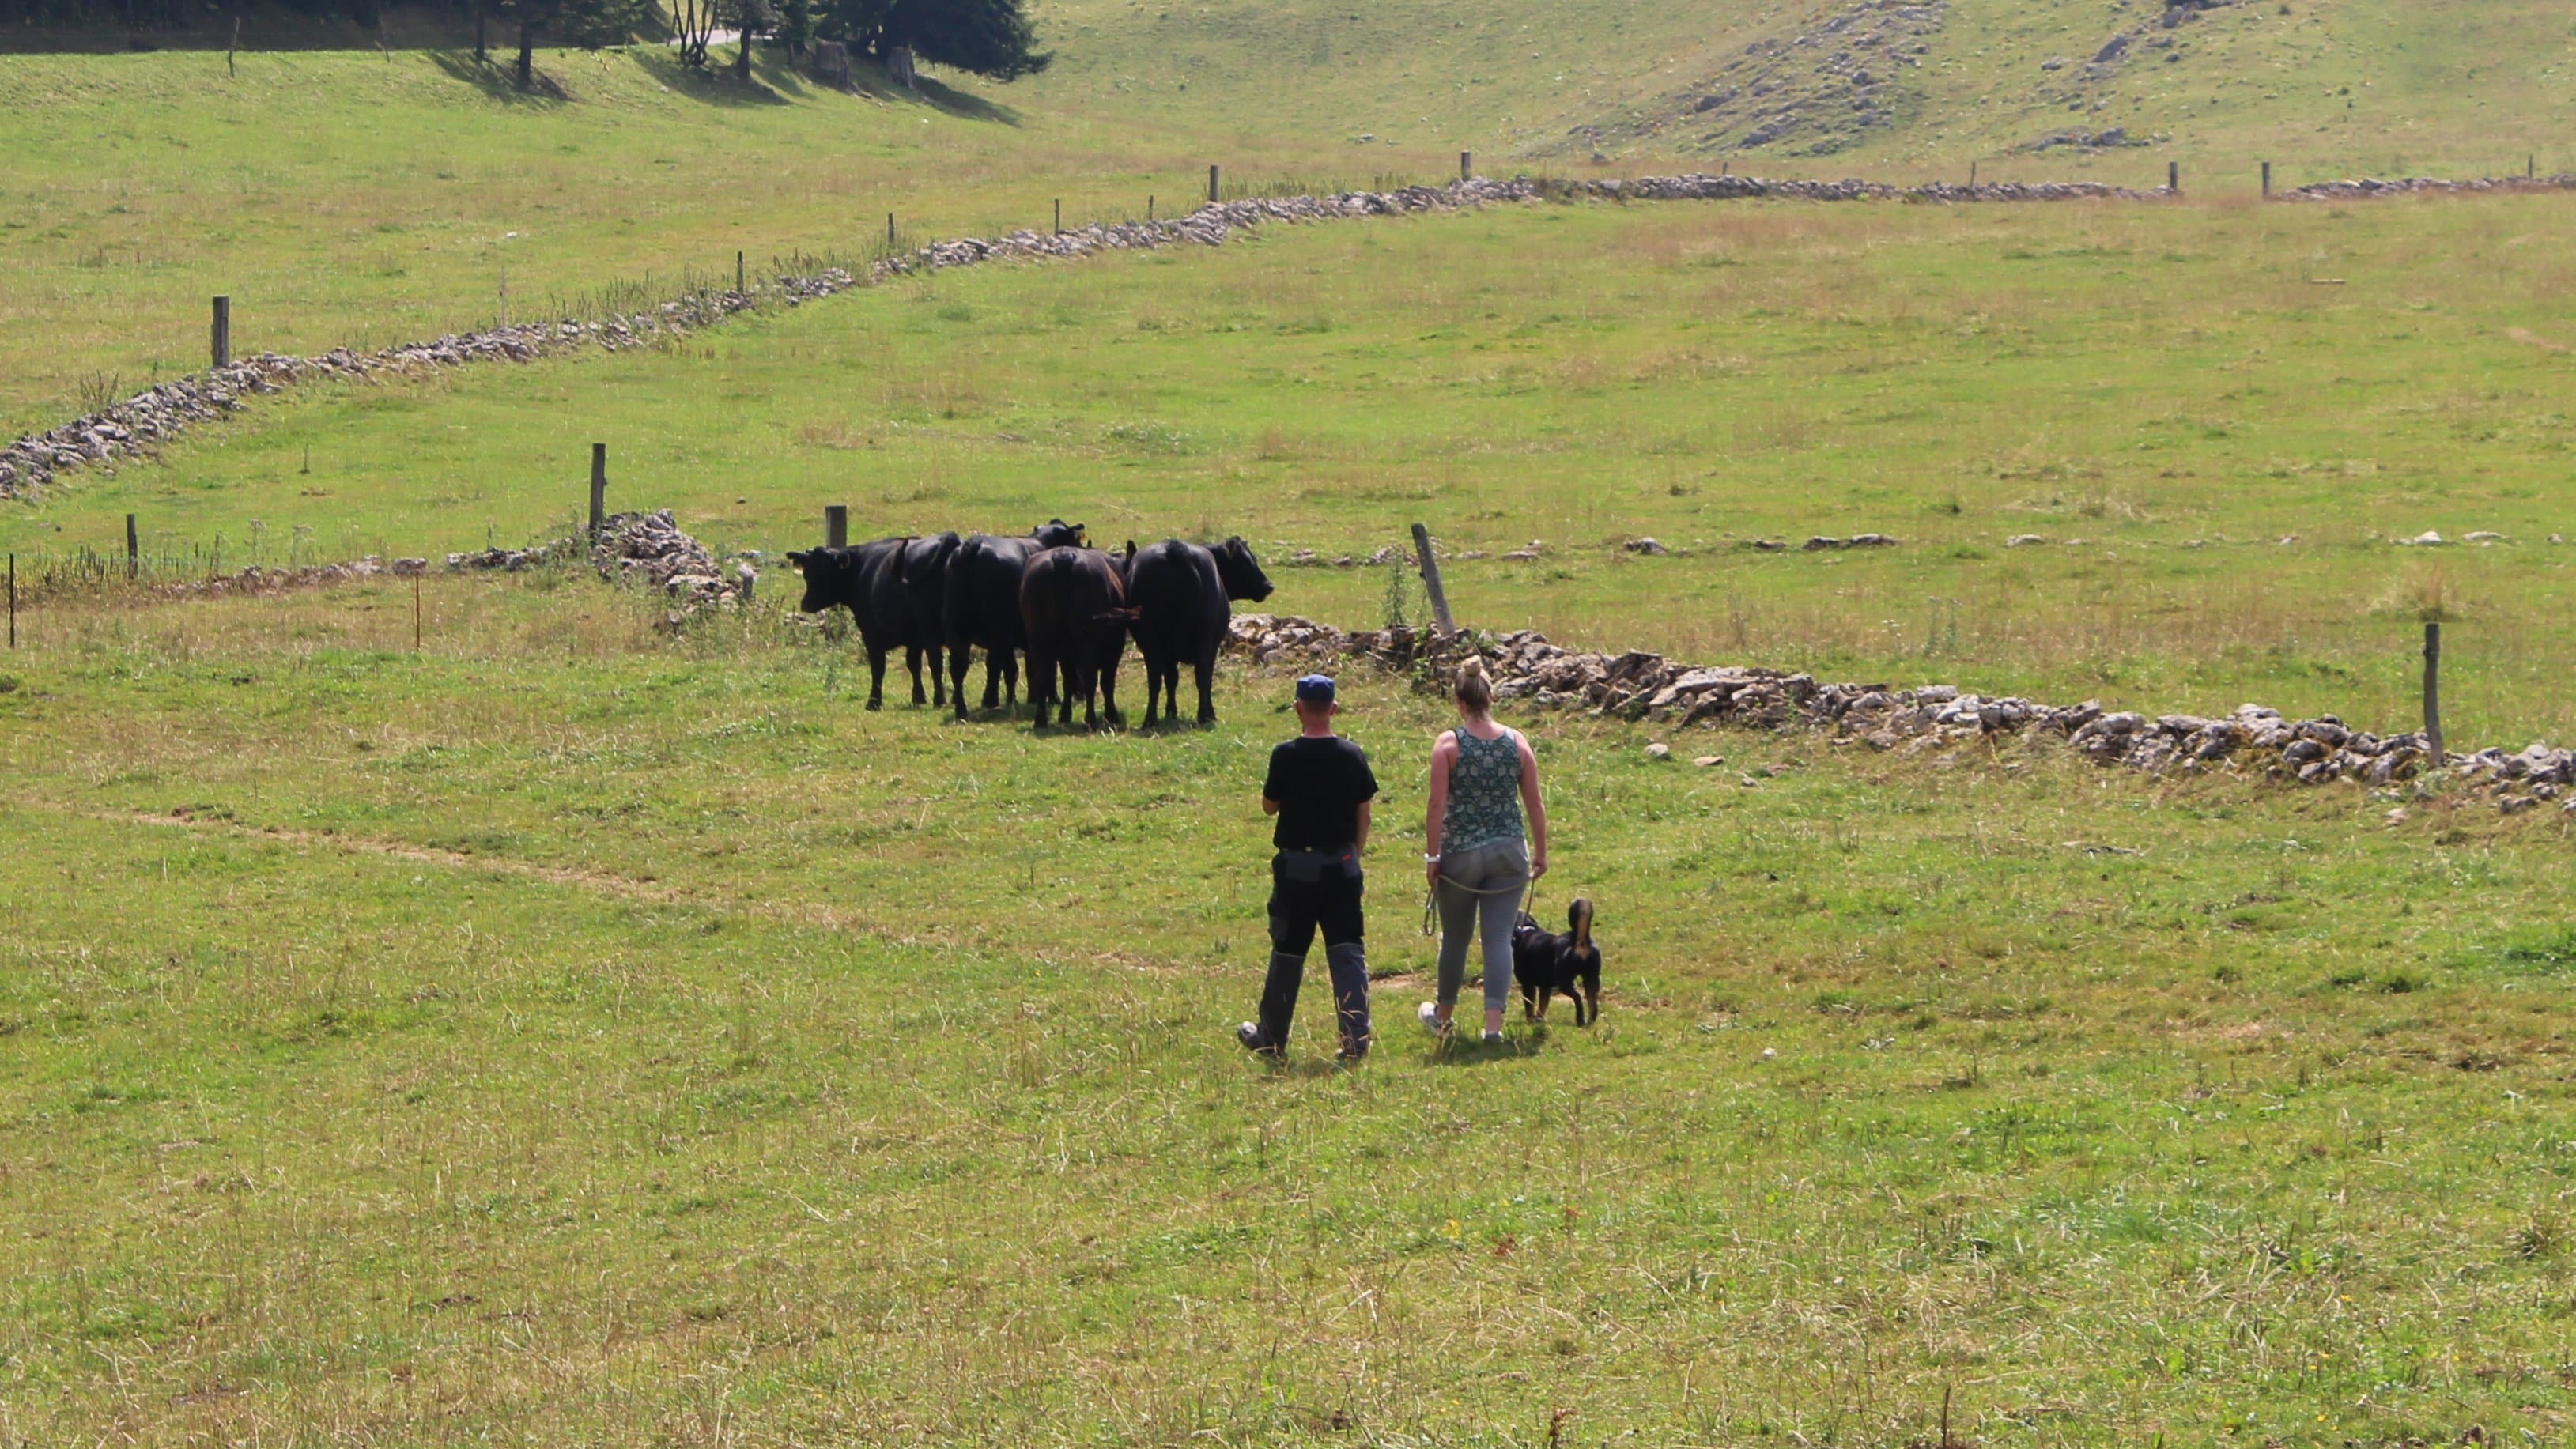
{"type": "Point", "coordinates": [1501, 872]}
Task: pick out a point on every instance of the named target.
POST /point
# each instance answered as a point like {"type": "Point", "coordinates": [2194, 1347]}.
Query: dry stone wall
{"type": "Point", "coordinates": [1647, 687]}
{"type": "Point", "coordinates": [2372, 189]}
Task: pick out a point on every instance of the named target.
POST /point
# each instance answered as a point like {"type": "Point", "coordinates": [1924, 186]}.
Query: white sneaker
{"type": "Point", "coordinates": [1430, 1014]}
{"type": "Point", "coordinates": [1493, 1038]}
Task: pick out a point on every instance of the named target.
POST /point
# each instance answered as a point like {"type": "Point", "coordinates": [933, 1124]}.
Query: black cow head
{"type": "Point", "coordinates": [1240, 571]}
{"type": "Point", "coordinates": [816, 565]}
{"type": "Point", "coordinates": [1056, 533]}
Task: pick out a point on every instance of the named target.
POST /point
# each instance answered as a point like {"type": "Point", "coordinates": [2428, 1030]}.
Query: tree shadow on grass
{"type": "Point", "coordinates": [499, 79]}
{"type": "Point", "coordinates": [713, 83]}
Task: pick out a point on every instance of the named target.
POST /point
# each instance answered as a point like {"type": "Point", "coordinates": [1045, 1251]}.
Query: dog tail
{"type": "Point", "coordinates": [1578, 919]}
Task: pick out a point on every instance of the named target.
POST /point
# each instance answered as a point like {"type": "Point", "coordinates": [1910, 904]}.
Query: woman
{"type": "Point", "coordinates": [1478, 860]}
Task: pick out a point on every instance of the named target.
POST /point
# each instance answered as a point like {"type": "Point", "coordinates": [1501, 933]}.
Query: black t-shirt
{"type": "Point", "coordinates": [1319, 784]}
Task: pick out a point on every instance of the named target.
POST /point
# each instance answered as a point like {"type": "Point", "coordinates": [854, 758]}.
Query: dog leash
{"type": "Point", "coordinates": [1431, 901]}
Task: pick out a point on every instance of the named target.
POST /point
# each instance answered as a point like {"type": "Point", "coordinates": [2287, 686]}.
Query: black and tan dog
{"type": "Point", "coordinates": [1548, 965]}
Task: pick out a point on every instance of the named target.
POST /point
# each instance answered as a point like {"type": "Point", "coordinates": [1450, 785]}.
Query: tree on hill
{"type": "Point", "coordinates": [569, 22]}
{"type": "Point", "coordinates": [983, 37]}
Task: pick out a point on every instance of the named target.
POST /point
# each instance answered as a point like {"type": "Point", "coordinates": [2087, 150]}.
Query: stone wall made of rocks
{"type": "Point", "coordinates": [1643, 686]}
{"type": "Point", "coordinates": [2371, 189]}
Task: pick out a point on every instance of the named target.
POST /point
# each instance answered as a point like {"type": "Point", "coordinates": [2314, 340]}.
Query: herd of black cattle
{"type": "Point", "coordinates": [1067, 606]}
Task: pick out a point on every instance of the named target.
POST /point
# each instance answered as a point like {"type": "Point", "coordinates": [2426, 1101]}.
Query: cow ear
{"type": "Point", "coordinates": [797, 557]}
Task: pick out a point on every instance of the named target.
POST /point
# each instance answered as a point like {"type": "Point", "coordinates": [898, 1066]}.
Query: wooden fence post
{"type": "Point", "coordinates": [2267, 180]}
{"type": "Point", "coordinates": [737, 272]}
{"type": "Point", "coordinates": [836, 525]}
{"type": "Point", "coordinates": [1431, 579]}
{"type": "Point", "coordinates": [1466, 165]}
{"type": "Point", "coordinates": [133, 550]}
{"type": "Point", "coordinates": [598, 490]}
{"type": "Point", "coordinates": [889, 231]}
{"type": "Point", "coordinates": [13, 601]}
{"type": "Point", "coordinates": [2433, 691]}
{"type": "Point", "coordinates": [222, 331]}
{"type": "Point", "coordinates": [2173, 177]}
{"type": "Point", "coordinates": [1059, 216]}
{"type": "Point", "coordinates": [1212, 185]}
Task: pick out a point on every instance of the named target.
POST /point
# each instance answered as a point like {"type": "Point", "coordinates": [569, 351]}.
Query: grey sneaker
{"type": "Point", "coordinates": [1430, 1014]}
{"type": "Point", "coordinates": [1493, 1038]}
{"type": "Point", "coordinates": [1250, 1035]}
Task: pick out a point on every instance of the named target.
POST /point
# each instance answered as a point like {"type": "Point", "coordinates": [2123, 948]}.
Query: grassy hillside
{"type": "Point", "coordinates": [359, 198]}
{"type": "Point", "coordinates": [362, 197]}
{"type": "Point", "coordinates": [2323, 87]}
{"type": "Point", "coordinates": [2218, 448]}
{"type": "Point", "coordinates": [574, 1036]}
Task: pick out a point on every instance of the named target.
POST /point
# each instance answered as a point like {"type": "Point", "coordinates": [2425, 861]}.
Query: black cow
{"type": "Point", "coordinates": [980, 607]}
{"type": "Point", "coordinates": [924, 583]}
{"type": "Point", "coordinates": [1074, 603]}
{"type": "Point", "coordinates": [866, 579]}
{"type": "Point", "coordinates": [1180, 592]}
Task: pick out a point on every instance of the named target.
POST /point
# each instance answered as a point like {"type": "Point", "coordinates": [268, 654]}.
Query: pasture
{"type": "Point", "coordinates": [572, 1035]}
{"type": "Point", "coordinates": [2165, 394]}
{"type": "Point", "coordinates": [581, 1030]}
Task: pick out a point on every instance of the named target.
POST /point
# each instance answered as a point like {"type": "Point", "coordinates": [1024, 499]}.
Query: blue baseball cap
{"type": "Point", "coordinates": [1315, 689]}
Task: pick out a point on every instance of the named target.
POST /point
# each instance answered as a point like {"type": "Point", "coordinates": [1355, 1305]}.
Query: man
{"type": "Point", "coordinates": [1319, 787]}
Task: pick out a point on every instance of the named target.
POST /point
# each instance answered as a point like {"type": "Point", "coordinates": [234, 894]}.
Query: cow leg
{"type": "Point", "coordinates": [1087, 679]}
{"type": "Point", "coordinates": [1205, 667]}
{"type": "Point", "coordinates": [1152, 681]}
{"type": "Point", "coordinates": [1060, 681]}
{"type": "Point", "coordinates": [994, 659]}
{"type": "Point", "coordinates": [957, 662]}
{"type": "Point", "coordinates": [876, 677]}
{"type": "Point", "coordinates": [1109, 686]}
{"type": "Point", "coordinates": [912, 666]}
{"type": "Point", "coordinates": [938, 678]}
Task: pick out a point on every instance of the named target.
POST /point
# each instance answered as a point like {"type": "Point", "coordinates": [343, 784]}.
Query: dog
{"type": "Point", "coordinates": [1548, 965]}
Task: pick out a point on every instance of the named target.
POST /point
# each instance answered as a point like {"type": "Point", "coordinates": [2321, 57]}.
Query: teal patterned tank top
{"type": "Point", "coordinates": [1484, 793]}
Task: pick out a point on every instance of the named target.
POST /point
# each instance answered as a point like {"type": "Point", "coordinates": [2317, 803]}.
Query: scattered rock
{"type": "Point", "coordinates": [2483, 536]}
{"type": "Point", "coordinates": [1707, 762]}
{"type": "Point", "coordinates": [2427, 539]}
{"type": "Point", "coordinates": [1645, 546]}
{"type": "Point", "coordinates": [1659, 751]}
{"type": "Point", "coordinates": [2023, 540]}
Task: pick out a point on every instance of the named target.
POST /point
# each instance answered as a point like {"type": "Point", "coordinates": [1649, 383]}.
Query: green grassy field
{"type": "Point", "coordinates": [364, 197]}
{"type": "Point", "coordinates": [578, 1033]}
{"type": "Point", "coordinates": [570, 1036]}
{"type": "Point", "coordinates": [2171, 386]}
